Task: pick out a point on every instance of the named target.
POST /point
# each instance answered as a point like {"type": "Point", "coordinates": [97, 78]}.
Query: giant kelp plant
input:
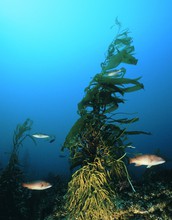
{"type": "Point", "coordinates": [98, 139]}
{"type": "Point", "coordinates": [13, 196]}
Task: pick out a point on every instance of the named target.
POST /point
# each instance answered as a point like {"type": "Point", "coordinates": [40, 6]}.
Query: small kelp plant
{"type": "Point", "coordinates": [13, 195]}
{"type": "Point", "coordinates": [98, 139]}
{"type": "Point", "coordinates": [20, 134]}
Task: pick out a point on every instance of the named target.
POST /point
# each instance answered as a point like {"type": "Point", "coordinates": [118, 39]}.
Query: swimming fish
{"type": "Point", "coordinates": [147, 159]}
{"type": "Point", "coordinates": [114, 73]}
{"type": "Point", "coordinates": [39, 135]}
{"type": "Point", "coordinates": [50, 138]}
{"type": "Point", "coordinates": [37, 185]}
{"type": "Point", "coordinates": [130, 146]}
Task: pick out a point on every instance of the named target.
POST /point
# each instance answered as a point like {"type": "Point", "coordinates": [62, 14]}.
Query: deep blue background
{"type": "Point", "coordinates": [50, 50]}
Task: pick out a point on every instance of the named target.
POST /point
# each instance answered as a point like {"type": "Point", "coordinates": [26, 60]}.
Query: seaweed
{"type": "Point", "coordinates": [89, 184]}
{"type": "Point", "coordinates": [97, 141]}
{"type": "Point", "coordinates": [12, 192]}
{"type": "Point", "coordinates": [20, 134]}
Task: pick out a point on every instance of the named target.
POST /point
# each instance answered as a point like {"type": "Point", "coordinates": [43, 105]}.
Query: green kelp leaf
{"type": "Point", "coordinates": [76, 128]}
{"type": "Point", "coordinates": [123, 56]}
{"type": "Point", "coordinates": [123, 41]}
{"type": "Point", "coordinates": [125, 120]}
{"type": "Point", "coordinates": [115, 99]}
{"type": "Point", "coordinates": [108, 87]}
{"type": "Point", "coordinates": [118, 23]}
{"type": "Point", "coordinates": [117, 89]}
{"type": "Point", "coordinates": [111, 129]}
{"type": "Point", "coordinates": [112, 105]}
{"type": "Point", "coordinates": [92, 83]}
{"type": "Point", "coordinates": [127, 81]}
{"type": "Point", "coordinates": [121, 134]}
{"type": "Point", "coordinates": [123, 34]}
{"type": "Point", "coordinates": [111, 108]}
{"type": "Point", "coordinates": [137, 132]}
{"type": "Point", "coordinates": [81, 108]}
{"type": "Point", "coordinates": [118, 81]}
{"type": "Point", "coordinates": [20, 132]}
{"type": "Point", "coordinates": [119, 51]}
{"type": "Point", "coordinates": [128, 58]}
{"type": "Point", "coordinates": [134, 88]}
{"type": "Point", "coordinates": [27, 124]}
{"type": "Point", "coordinates": [128, 50]}
{"type": "Point", "coordinates": [111, 50]}
{"type": "Point", "coordinates": [90, 95]}
{"type": "Point", "coordinates": [113, 62]}
{"type": "Point", "coordinates": [100, 95]}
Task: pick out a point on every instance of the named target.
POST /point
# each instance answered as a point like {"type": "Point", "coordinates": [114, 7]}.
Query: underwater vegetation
{"type": "Point", "coordinates": [43, 203]}
{"type": "Point", "coordinates": [100, 187]}
{"type": "Point", "coordinates": [98, 139]}
{"type": "Point", "coordinates": [19, 203]}
{"type": "Point", "coordinates": [13, 195]}
{"type": "Point", "coordinates": [152, 199]}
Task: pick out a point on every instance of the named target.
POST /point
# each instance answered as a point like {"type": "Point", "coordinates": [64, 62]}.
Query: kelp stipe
{"type": "Point", "coordinates": [97, 140]}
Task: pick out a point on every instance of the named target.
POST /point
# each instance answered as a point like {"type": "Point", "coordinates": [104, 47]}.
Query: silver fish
{"type": "Point", "coordinates": [114, 73]}
{"type": "Point", "coordinates": [130, 146]}
{"type": "Point", "coordinates": [39, 135]}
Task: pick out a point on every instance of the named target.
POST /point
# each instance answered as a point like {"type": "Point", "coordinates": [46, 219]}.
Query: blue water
{"type": "Point", "coordinates": [50, 50]}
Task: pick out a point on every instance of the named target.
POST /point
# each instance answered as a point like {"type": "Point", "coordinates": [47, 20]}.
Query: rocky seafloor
{"type": "Point", "coordinates": [152, 199]}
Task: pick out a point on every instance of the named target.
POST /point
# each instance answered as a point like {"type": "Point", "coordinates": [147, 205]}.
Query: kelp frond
{"type": "Point", "coordinates": [106, 90]}
{"type": "Point", "coordinates": [16, 205]}
{"type": "Point", "coordinates": [20, 133]}
{"type": "Point", "coordinates": [89, 196]}
{"type": "Point", "coordinates": [97, 140]}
